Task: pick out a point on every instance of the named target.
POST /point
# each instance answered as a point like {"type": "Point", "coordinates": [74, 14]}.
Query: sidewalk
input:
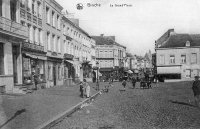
{"type": "Point", "coordinates": [32, 110]}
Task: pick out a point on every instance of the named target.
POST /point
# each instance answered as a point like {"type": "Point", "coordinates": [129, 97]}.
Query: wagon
{"type": "Point", "coordinates": [145, 84]}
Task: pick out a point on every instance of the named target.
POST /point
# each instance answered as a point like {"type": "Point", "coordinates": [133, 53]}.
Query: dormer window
{"type": "Point", "coordinates": [187, 44]}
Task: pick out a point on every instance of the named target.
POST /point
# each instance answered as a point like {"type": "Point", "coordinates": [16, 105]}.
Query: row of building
{"type": "Point", "coordinates": [177, 56]}
{"type": "Point", "coordinates": [37, 39]}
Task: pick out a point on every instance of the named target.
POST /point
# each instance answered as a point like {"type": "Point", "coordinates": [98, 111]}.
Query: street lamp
{"type": "Point", "coordinates": [97, 64]}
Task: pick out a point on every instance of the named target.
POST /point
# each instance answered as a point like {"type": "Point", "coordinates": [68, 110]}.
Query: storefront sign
{"type": "Point", "coordinates": [68, 56]}
{"type": "Point", "coordinates": [31, 46]}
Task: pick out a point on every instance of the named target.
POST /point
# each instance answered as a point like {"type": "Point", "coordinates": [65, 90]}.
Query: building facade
{"type": "Point", "coordinates": [13, 34]}
{"type": "Point", "coordinates": [178, 57]}
{"type": "Point", "coordinates": [110, 55]}
{"type": "Point", "coordinates": [33, 52]}
{"type": "Point", "coordinates": [37, 40]}
{"type": "Point", "coordinates": [80, 47]}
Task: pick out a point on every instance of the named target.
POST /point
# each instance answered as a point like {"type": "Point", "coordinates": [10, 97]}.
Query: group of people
{"type": "Point", "coordinates": [84, 89]}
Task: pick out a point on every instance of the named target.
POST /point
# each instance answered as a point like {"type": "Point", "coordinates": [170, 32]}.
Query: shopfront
{"type": "Point", "coordinates": [33, 65]}
{"type": "Point", "coordinates": [69, 70]}
{"type": "Point", "coordinates": [55, 72]}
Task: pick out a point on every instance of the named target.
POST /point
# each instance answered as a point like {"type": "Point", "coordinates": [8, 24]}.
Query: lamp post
{"type": "Point", "coordinates": [97, 64]}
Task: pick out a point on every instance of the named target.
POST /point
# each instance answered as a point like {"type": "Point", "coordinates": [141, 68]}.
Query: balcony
{"type": "Point", "coordinates": [34, 19]}
{"type": "Point", "coordinates": [32, 47]}
{"type": "Point", "coordinates": [68, 56]}
{"type": "Point", "coordinates": [40, 22]}
{"type": "Point", "coordinates": [13, 28]}
{"type": "Point", "coordinates": [29, 16]}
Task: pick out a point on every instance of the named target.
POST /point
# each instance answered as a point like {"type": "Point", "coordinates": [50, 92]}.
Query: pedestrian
{"type": "Point", "coordinates": [133, 82]}
{"type": "Point", "coordinates": [87, 88]}
{"type": "Point", "coordinates": [196, 91]}
{"type": "Point", "coordinates": [81, 89]}
{"type": "Point", "coordinates": [35, 78]}
{"type": "Point", "coordinates": [124, 83]}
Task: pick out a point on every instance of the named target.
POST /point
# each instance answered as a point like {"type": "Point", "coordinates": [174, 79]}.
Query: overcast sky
{"type": "Point", "coordinates": [136, 27]}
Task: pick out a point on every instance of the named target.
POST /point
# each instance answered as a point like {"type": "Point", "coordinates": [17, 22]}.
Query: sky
{"type": "Point", "coordinates": [136, 27]}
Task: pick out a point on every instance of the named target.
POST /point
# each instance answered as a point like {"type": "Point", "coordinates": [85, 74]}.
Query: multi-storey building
{"type": "Point", "coordinates": [177, 56]}
{"type": "Point", "coordinates": [12, 34]}
{"type": "Point", "coordinates": [36, 39]}
{"type": "Point", "coordinates": [109, 54]}
{"type": "Point", "coordinates": [78, 47]}
{"type": "Point", "coordinates": [33, 52]}
{"type": "Point", "coordinates": [53, 39]}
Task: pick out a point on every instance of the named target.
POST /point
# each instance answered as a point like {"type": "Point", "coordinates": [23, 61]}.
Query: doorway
{"type": "Point", "coordinates": [54, 75]}
{"type": "Point", "coordinates": [15, 52]}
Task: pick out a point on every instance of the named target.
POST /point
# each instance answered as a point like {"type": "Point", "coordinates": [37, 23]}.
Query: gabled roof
{"type": "Point", "coordinates": [179, 40]}
{"type": "Point", "coordinates": [103, 40]}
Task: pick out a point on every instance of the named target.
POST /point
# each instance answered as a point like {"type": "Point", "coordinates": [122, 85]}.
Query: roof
{"type": "Point", "coordinates": [102, 40]}
{"type": "Point", "coordinates": [73, 24]}
{"type": "Point", "coordinates": [179, 40]}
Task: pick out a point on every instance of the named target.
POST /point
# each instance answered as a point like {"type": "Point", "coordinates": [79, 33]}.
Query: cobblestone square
{"type": "Point", "coordinates": [166, 105]}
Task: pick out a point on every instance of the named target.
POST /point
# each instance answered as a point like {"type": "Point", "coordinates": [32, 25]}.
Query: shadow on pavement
{"type": "Point", "coordinates": [19, 112]}
{"type": "Point", "coordinates": [182, 103]}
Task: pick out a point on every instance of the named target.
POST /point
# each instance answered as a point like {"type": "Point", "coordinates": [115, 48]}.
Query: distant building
{"type": "Point", "coordinates": [109, 54]}
{"type": "Point", "coordinates": [177, 56]}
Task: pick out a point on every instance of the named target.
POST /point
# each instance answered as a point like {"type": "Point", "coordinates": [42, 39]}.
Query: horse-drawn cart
{"type": "Point", "coordinates": [145, 84]}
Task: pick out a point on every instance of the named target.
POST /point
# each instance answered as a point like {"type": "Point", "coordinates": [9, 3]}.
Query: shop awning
{"type": "Point", "coordinates": [129, 71]}
{"type": "Point", "coordinates": [36, 56]}
{"type": "Point", "coordinates": [70, 61]}
{"type": "Point", "coordinates": [169, 70]}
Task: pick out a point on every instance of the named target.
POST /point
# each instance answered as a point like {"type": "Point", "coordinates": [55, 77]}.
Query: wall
{"type": "Point", "coordinates": [195, 68]}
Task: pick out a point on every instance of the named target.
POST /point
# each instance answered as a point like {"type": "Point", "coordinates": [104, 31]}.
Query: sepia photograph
{"type": "Point", "coordinates": [99, 64]}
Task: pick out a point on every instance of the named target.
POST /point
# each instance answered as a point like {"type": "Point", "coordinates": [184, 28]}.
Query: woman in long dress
{"type": "Point", "coordinates": [87, 87]}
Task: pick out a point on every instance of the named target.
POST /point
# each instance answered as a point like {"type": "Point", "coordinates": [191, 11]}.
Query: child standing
{"type": "Point", "coordinates": [87, 86]}
{"type": "Point", "coordinates": [81, 89]}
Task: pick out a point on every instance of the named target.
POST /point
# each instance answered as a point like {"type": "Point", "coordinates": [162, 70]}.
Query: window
{"type": "Point", "coordinates": [48, 15]}
{"type": "Point", "coordinates": [33, 7]}
{"type": "Point", "coordinates": [188, 73]}
{"type": "Point", "coordinates": [29, 5]}
{"type": "Point", "coordinates": [64, 29]}
{"type": "Point", "coordinates": [194, 58]}
{"type": "Point", "coordinates": [172, 59]}
{"type": "Point", "coordinates": [183, 59]}
{"type": "Point", "coordinates": [48, 41]}
{"type": "Point", "coordinates": [58, 22]}
{"type": "Point", "coordinates": [187, 44]}
{"type": "Point", "coordinates": [36, 35]}
{"type": "Point", "coordinates": [68, 48]}
{"type": "Point", "coordinates": [22, 3]}
{"type": "Point", "coordinates": [33, 33]}
{"type": "Point", "coordinates": [59, 46]}
{"type": "Point", "coordinates": [53, 19]}
{"type": "Point", "coordinates": [111, 54]}
{"type": "Point", "coordinates": [162, 59]}
{"type": "Point", "coordinates": [1, 59]}
{"type": "Point", "coordinates": [40, 37]}
{"type": "Point", "coordinates": [54, 43]}
{"type": "Point", "coordinates": [39, 10]}
{"type": "Point", "coordinates": [13, 10]}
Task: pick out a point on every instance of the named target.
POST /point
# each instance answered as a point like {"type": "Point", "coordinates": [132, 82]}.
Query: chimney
{"type": "Point", "coordinates": [101, 35]}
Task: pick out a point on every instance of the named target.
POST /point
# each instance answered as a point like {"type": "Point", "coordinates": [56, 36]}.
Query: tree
{"type": "Point", "coordinates": [87, 69]}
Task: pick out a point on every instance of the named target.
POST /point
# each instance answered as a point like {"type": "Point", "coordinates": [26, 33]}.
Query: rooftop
{"type": "Point", "coordinates": [179, 40]}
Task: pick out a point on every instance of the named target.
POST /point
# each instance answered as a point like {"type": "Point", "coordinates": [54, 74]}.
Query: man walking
{"type": "Point", "coordinates": [133, 82]}
{"type": "Point", "coordinates": [196, 91]}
